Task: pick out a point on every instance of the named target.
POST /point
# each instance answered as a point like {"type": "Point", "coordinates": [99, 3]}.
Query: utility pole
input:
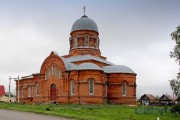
{"type": "Point", "coordinates": [18, 88]}
{"type": "Point", "coordinates": [10, 87]}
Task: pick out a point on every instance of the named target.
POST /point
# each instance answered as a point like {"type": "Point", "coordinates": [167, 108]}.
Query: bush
{"type": "Point", "coordinates": [48, 109]}
{"type": "Point", "coordinates": [175, 109]}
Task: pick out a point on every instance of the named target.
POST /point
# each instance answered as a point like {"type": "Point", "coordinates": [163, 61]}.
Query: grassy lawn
{"type": "Point", "coordinates": [90, 112]}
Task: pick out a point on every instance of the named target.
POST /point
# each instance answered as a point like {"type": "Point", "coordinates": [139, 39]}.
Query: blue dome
{"type": "Point", "coordinates": [84, 23]}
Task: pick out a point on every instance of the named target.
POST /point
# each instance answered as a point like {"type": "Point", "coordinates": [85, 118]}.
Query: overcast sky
{"type": "Point", "coordinates": [134, 33]}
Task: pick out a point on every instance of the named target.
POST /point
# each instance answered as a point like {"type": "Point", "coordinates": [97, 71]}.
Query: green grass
{"type": "Point", "coordinates": [90, 112]}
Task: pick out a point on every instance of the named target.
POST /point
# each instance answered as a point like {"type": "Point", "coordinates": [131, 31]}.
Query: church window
{"type": "Point", "coordinates": [72, 87]}
{"type": "Point", "coordinates": [91, 87]}
{"type": "Point", "coordinates": [22, 92]}
{"type": "Point", "coordinates": [52, 70]}
{"type": "Point", "coordinates": [60, 74]}
{"type": "Point", "coordinates": [49, 73]}
{"type": "Point", "coordinates": [32, 90]}
{"type": "Point", "coordinates": [75, 41]}
{"type": "Point", "coordinates": [86, 41]}
{"type": "Point", "coordinates": [46, 75]}
{"type": "Point", "coordinates": [97, 42]}
{"type": "Point", "coordinates": [57, 72]}
{"type": "Point", "coordinates": [37, 89]}
{"type": "Point", "coordinates": [106, 88]}
{"type": "Point", "coordinates": [124, 88]}
{"type": "Point", "coordinates": [29, 91]}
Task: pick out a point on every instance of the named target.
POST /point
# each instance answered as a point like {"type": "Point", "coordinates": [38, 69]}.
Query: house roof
{"type": "Point", "coordinates": [149, 96]}
{"type": "Point", "coordinates": [2, 91]}
{"type": "Point", "coordinates": [7, 94]}
{"type": "Point", "coordinates": [166, 98]}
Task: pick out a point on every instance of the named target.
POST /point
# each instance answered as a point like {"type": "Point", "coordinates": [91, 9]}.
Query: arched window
{"type": "Point", "coordinates": [22, 92]}
{"type": "Point", "coordinates": [72, 87]}
{"type": "Point", "coordinates": [29, 91]}
{"type": "Point", "coordinates": [86, 41]}
{"type": "Point", "coordinates": [46, 75]}
{"type": "Point", "coordinates": [60, 74]}
{"type": "Point", "coordinates": [32, 91]}
{"type": "Point", "coordinates": [75, 41]}
{"type": "Point", "coordinates": [49, 73]}
{"type": "Point", "coordinates": [57, 73]}
{"type": "Point", "coordinates": [37, 89]}
{"type": "Point", "coordinates": [124, 88]}
{"type": "Point", "coordinates": [106, 88]}
{"type": "Point", "coordinates": [91, 87]}
{"type": "Point", "coordinates": [52, 69]}
{"type": "Point", "coordinates": [97, 42]}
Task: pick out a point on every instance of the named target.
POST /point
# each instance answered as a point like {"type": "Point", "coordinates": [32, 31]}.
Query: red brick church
{"type": "Point", "coordinates": [83, 76]}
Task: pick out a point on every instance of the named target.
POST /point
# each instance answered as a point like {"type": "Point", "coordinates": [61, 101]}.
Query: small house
{"type": "Point", "coordinates": [148, 99]}
{"type": "Point", "coordinates": [4, 96]}
{"type": "Point", "coordinates": [166, 100]}
{"type": "Point", "coordinates": [2, 91]}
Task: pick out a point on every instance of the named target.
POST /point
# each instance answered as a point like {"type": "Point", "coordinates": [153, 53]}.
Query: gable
{"type": "Point", "coordinates": [165, 98]}
{"type": "Point", "coordinates": [144, 97]}
{"type": "Point", "coordinates": [148, 97]}
{"type": "Point", "coordinates": [53, 59]}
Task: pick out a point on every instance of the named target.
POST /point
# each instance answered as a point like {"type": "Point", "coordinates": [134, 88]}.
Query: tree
{"type": "Point", "coordinates": [175, 86]}
{"type": "Point", "coordinates": [175, 83]}
{"type": "Point", "coordinates": [176, 53]}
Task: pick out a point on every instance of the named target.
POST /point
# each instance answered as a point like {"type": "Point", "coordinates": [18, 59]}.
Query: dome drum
{"type": "Point", "coordinates": [84, 41]}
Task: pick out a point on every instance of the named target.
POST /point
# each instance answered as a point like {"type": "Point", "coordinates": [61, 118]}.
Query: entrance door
{"type": "Point", "coordinates": [53, 92]}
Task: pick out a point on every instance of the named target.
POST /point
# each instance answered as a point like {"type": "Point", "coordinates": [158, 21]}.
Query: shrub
{"type": "Point", "coordinates": [175, 109]}
{"type": "Point", "coordinates": [48, 109]}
